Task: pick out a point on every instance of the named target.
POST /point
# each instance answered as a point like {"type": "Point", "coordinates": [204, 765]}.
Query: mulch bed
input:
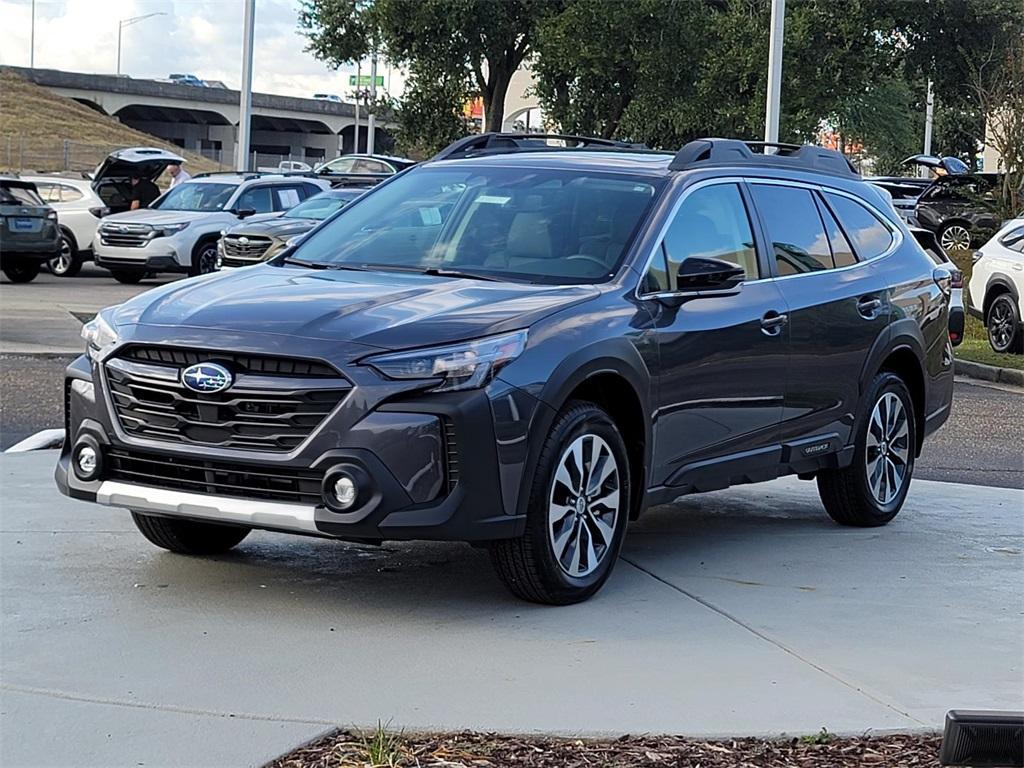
{"type": "Point", "coordinates": [476, 750]}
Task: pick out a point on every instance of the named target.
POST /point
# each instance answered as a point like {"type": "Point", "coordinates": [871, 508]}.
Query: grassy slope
{"type": "Point", "coordinates": [975, 345]}
{"type": "Point", "coordinates": [41, 121]}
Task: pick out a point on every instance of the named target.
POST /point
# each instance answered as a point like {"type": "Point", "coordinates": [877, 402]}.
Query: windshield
{"type": "Point", "coordinates": [197, 196]}
{"type": "Point", "coordinates": [318, 207]}
{"type": "Point", "coordinates": [537, 225]}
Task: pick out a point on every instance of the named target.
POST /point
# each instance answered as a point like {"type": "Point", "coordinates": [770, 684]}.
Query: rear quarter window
{"type": "Point", "coordinates": [869, 236]}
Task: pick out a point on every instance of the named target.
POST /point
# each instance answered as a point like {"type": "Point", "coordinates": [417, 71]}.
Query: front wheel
{"type": "Point", "coordinates": [577, 512]}
{"type": "Point", "coordinates": [189, 537]}
{"type": "Point", "coordinates": [1003, 325]}
{"type": "Point", "coordinates": [21, 270]}
{"type": "Point", "coordinates": [204, 259]}
{"type": "Point", "coordinates": [872, 489]}
{"type": "Point", "coordinates": [67, 263]}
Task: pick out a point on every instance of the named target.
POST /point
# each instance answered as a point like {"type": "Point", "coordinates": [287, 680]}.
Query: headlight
{"type": "Point", "coordinates": [99, 335]}
{"type": "Point", "coordinates": [166, 230]}
{"type": "Point", "coordinates": [462, 366]}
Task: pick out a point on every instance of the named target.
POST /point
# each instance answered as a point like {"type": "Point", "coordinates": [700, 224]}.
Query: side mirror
{"type": "Point", "coordinates": [244, 213]}
{"type": "Point", "coordinates": [696, 275]}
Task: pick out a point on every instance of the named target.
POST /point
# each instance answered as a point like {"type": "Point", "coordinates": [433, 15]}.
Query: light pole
{"type": "Point", "coordinates": [929, 116]}
{"type": "Point", "coordinates": [245, 107]}
{"type": "Point", "coordinates": [127, 23]}
{"type": "Point", "coordinates": [771, 112]}
{"type": "Point", "coordinates": [371, 118]}
{"type": "Point", "coordinates": [32, 39]}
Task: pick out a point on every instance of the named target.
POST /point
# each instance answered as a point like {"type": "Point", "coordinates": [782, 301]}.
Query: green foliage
{"type": "Point", "coordinates": [430, 114]}
{"type": "Point", "coordinates": [383, 749]}
{"type": "Point", "coordinates": [821, 737]}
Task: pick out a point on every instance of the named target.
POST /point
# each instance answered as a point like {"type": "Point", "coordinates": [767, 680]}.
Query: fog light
{"type": "Point", "coordinates": [86, 462]}
{"type": "Point", "coordinates": [345, 492]}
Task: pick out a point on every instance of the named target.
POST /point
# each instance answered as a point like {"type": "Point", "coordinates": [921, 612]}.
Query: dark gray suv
{"type": "Point", "coordinates": [523, 346]}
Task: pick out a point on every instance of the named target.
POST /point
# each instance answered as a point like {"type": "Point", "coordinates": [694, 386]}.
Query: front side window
{"type": "Point", "coordinates": [256, 199]}
{"type": "Point", "coordinates": [795, 228]}
{"type": "Point", "coordinates": [529, 224]}
{"type": "Point", "coordinates": [1014, 240]}
{"type": "Point", "coordinates": [711, 223]}
{"type": "Point", "coordinates": [870, 237]}
{"type": "Point", "coordinates": [318, 207]}
{"type": "Point", "coordinates": [196, 196]}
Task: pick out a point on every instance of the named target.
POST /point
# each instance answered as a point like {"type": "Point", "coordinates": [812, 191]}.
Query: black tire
{"type": "Point", "coordinates": [1002, 321]}
{"type": "Point", "coordinates": [204, 258]}
{"type": "Point", "coordinates": [21, 270]}
{"type": "Point", "coordinates": [847, 493]}
{"type": "Point", "coordinates": [69, 263]}
{"type": "Point", "coordinates": [127, 276]}
{"type": "Point", "coordinates": [528, 564]}
{"type": "Point", "coordinates": [189, 537]}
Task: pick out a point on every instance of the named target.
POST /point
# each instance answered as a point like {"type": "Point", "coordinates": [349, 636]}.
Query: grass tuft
{"type": "Point", "coordinates": [821, 737]}
{"type": "Point", "coordinates": [383, 748]}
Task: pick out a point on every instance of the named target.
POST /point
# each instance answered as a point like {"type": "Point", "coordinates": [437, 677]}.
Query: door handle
{"type": "Point", "coordinates": [868, 306]}
{"type": "Point", "coordinates": [773, 322]}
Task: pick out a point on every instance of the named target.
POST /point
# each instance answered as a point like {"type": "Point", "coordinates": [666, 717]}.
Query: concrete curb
{"type": "Point", "coordinates": [989, 372]}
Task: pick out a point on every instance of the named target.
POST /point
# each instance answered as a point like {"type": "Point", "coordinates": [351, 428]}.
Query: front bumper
{"type": "Point", "coordinates": [156, 256]}
{"type": "Point", "coordinates": [436, 467]}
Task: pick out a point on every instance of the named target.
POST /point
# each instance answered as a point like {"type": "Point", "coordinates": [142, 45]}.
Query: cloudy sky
{"type": "Point", "coordinates": [204, 38]}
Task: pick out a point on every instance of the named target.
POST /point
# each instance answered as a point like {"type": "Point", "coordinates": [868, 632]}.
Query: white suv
{"type": "Point", "coordinates": [997, 287]}
{"type": "Point", "coordinates": [179, 231]}
{"type": "Point", "coordinates": [78, 208]}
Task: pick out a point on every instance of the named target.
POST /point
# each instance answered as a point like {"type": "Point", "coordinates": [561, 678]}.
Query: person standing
{"type": "Point", "coordinates": [178, 174]}
{"type": "Point", "coordinates": [144, 192]}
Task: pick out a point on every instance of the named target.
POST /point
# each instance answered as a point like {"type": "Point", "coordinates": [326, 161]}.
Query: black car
{"type": "Point", "coordinates": [260, 237]}
{"type": "Point", "coordinates": [29, 235]}
{"type": "Point", "coordinates": [960, 209]}
{"type": "Point", "coordinates": [524, 347]}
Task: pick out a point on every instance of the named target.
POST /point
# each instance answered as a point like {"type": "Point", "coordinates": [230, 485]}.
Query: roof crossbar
{"type": "Point", "coordinates": [501, 143]}
{"type": "Point", "coordinates": [701, 153]}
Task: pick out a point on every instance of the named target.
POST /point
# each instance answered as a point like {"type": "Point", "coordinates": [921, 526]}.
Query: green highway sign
{"type": "Point", "coordinates": [364, 80]}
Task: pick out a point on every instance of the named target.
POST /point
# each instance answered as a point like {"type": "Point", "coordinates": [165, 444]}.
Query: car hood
{"type": "Point", "coordinates": [381, 309]}
{"type": "Point", "coordinates": [156, 217]}
{"type": "Point", "coordinates": [278, 227]}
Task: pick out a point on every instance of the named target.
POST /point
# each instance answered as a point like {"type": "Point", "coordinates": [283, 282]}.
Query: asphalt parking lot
{"type": "Point", "coordinates": [740, 612]}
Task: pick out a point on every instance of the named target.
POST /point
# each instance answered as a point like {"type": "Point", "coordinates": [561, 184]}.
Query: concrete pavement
{"type": "Point", "coordinates": [740, 612]}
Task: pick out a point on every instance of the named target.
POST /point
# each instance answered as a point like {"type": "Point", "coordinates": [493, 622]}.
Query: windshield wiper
{"type": "Point", "coordinates": [307, 264]}
{"type": "Point", "coordinates": [442, 272]}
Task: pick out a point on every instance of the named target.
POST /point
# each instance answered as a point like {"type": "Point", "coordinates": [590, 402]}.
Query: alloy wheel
{"type": "Point", "coordinates": [955, 238]}
{"type": "Point", "coordinates": [1001, 325]}
{"type": "Point", "coordinates": [584, 505]}
{"type": "Point", "coordinates": [888, 448]}
{"type": "Point", "coordinates": [208, 260]}
{"type": "Point", "coordinates": [62, 263]}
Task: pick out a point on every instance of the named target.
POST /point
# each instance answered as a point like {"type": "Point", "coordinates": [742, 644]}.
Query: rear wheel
{"type": "Point", "coordinates": [20, 270]}
{"type": "Point", "coordinates": [577, 512]}
{"type": "Point", "coordinates": [67, 263]}
{"type": "Point", "coordinates": [128, 277]}
{"type": "Point", "coordinates": [1003, 324]}
{"type": "Point", "coordinates": [189, 537]}
{"type": "Point", "coordinates": [204, 258]}
{"type": "Point", "coordinates": [955, 237]}
{"type": "Point", "coordinates": [872, 489]}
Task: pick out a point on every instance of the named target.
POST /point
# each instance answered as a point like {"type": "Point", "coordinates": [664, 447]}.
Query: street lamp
{"type": "Point", "coordinates": [775, 45]}
{"type": "Point", "coordinates": [127, 23]}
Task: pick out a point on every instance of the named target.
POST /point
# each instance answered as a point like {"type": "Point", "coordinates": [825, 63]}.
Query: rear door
{"type": "Point", "coordinates": [838, 303]}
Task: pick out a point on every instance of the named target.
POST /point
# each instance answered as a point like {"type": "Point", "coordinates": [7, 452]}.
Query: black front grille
{"type": "Point", "coordinates": [265, 409]}
{"type": "Point", "coordinates": [216, 478]}
{"type": "Point", "coordinates": [238, 253]}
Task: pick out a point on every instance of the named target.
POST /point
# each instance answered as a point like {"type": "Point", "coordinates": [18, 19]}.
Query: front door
{"type": "Point", "coordinates": [723, 358]}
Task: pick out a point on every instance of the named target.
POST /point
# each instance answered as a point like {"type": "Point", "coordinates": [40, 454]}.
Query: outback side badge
{"type": "Point", "coordinates": [983, 739]}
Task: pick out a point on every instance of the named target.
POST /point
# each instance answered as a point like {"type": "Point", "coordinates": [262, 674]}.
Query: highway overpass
{"type": "Point", "coordinates": [205, 120]}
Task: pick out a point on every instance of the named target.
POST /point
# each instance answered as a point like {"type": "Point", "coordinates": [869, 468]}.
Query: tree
{"type": "Point", "coordinates": [998, 84]}
{"type": "Point", "coordinates": [466, 46]}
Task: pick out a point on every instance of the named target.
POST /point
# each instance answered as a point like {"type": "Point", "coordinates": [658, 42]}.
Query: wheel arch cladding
{"type": "Point", "coordinates": [905, 363]}
{"type": "Point", "coordinates": [616, 396]}
{"type": "Point", "coordinates": [997, 285]}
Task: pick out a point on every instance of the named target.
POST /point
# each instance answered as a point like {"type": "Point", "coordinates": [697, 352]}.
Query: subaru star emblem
{"type": "Point", "coordinates": [243, 241]}
{"type": "Point", "coordinates": [206, 378]}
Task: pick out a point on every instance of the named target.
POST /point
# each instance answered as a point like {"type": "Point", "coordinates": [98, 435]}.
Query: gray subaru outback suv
{"type": "Point", "coordinates": [523, 346]}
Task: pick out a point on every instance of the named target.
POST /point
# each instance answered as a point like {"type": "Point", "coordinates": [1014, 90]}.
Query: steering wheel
{"type": "Point", "coordinates": [585, 257]}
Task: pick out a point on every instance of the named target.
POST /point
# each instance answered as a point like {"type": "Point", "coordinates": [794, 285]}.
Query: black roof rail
{"type": "Point", "coordinates": [248, 175]}
{"type": "Point", "coordinates": [704, 152]}
{"type": "Point", "coordinates": [500, 143]}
